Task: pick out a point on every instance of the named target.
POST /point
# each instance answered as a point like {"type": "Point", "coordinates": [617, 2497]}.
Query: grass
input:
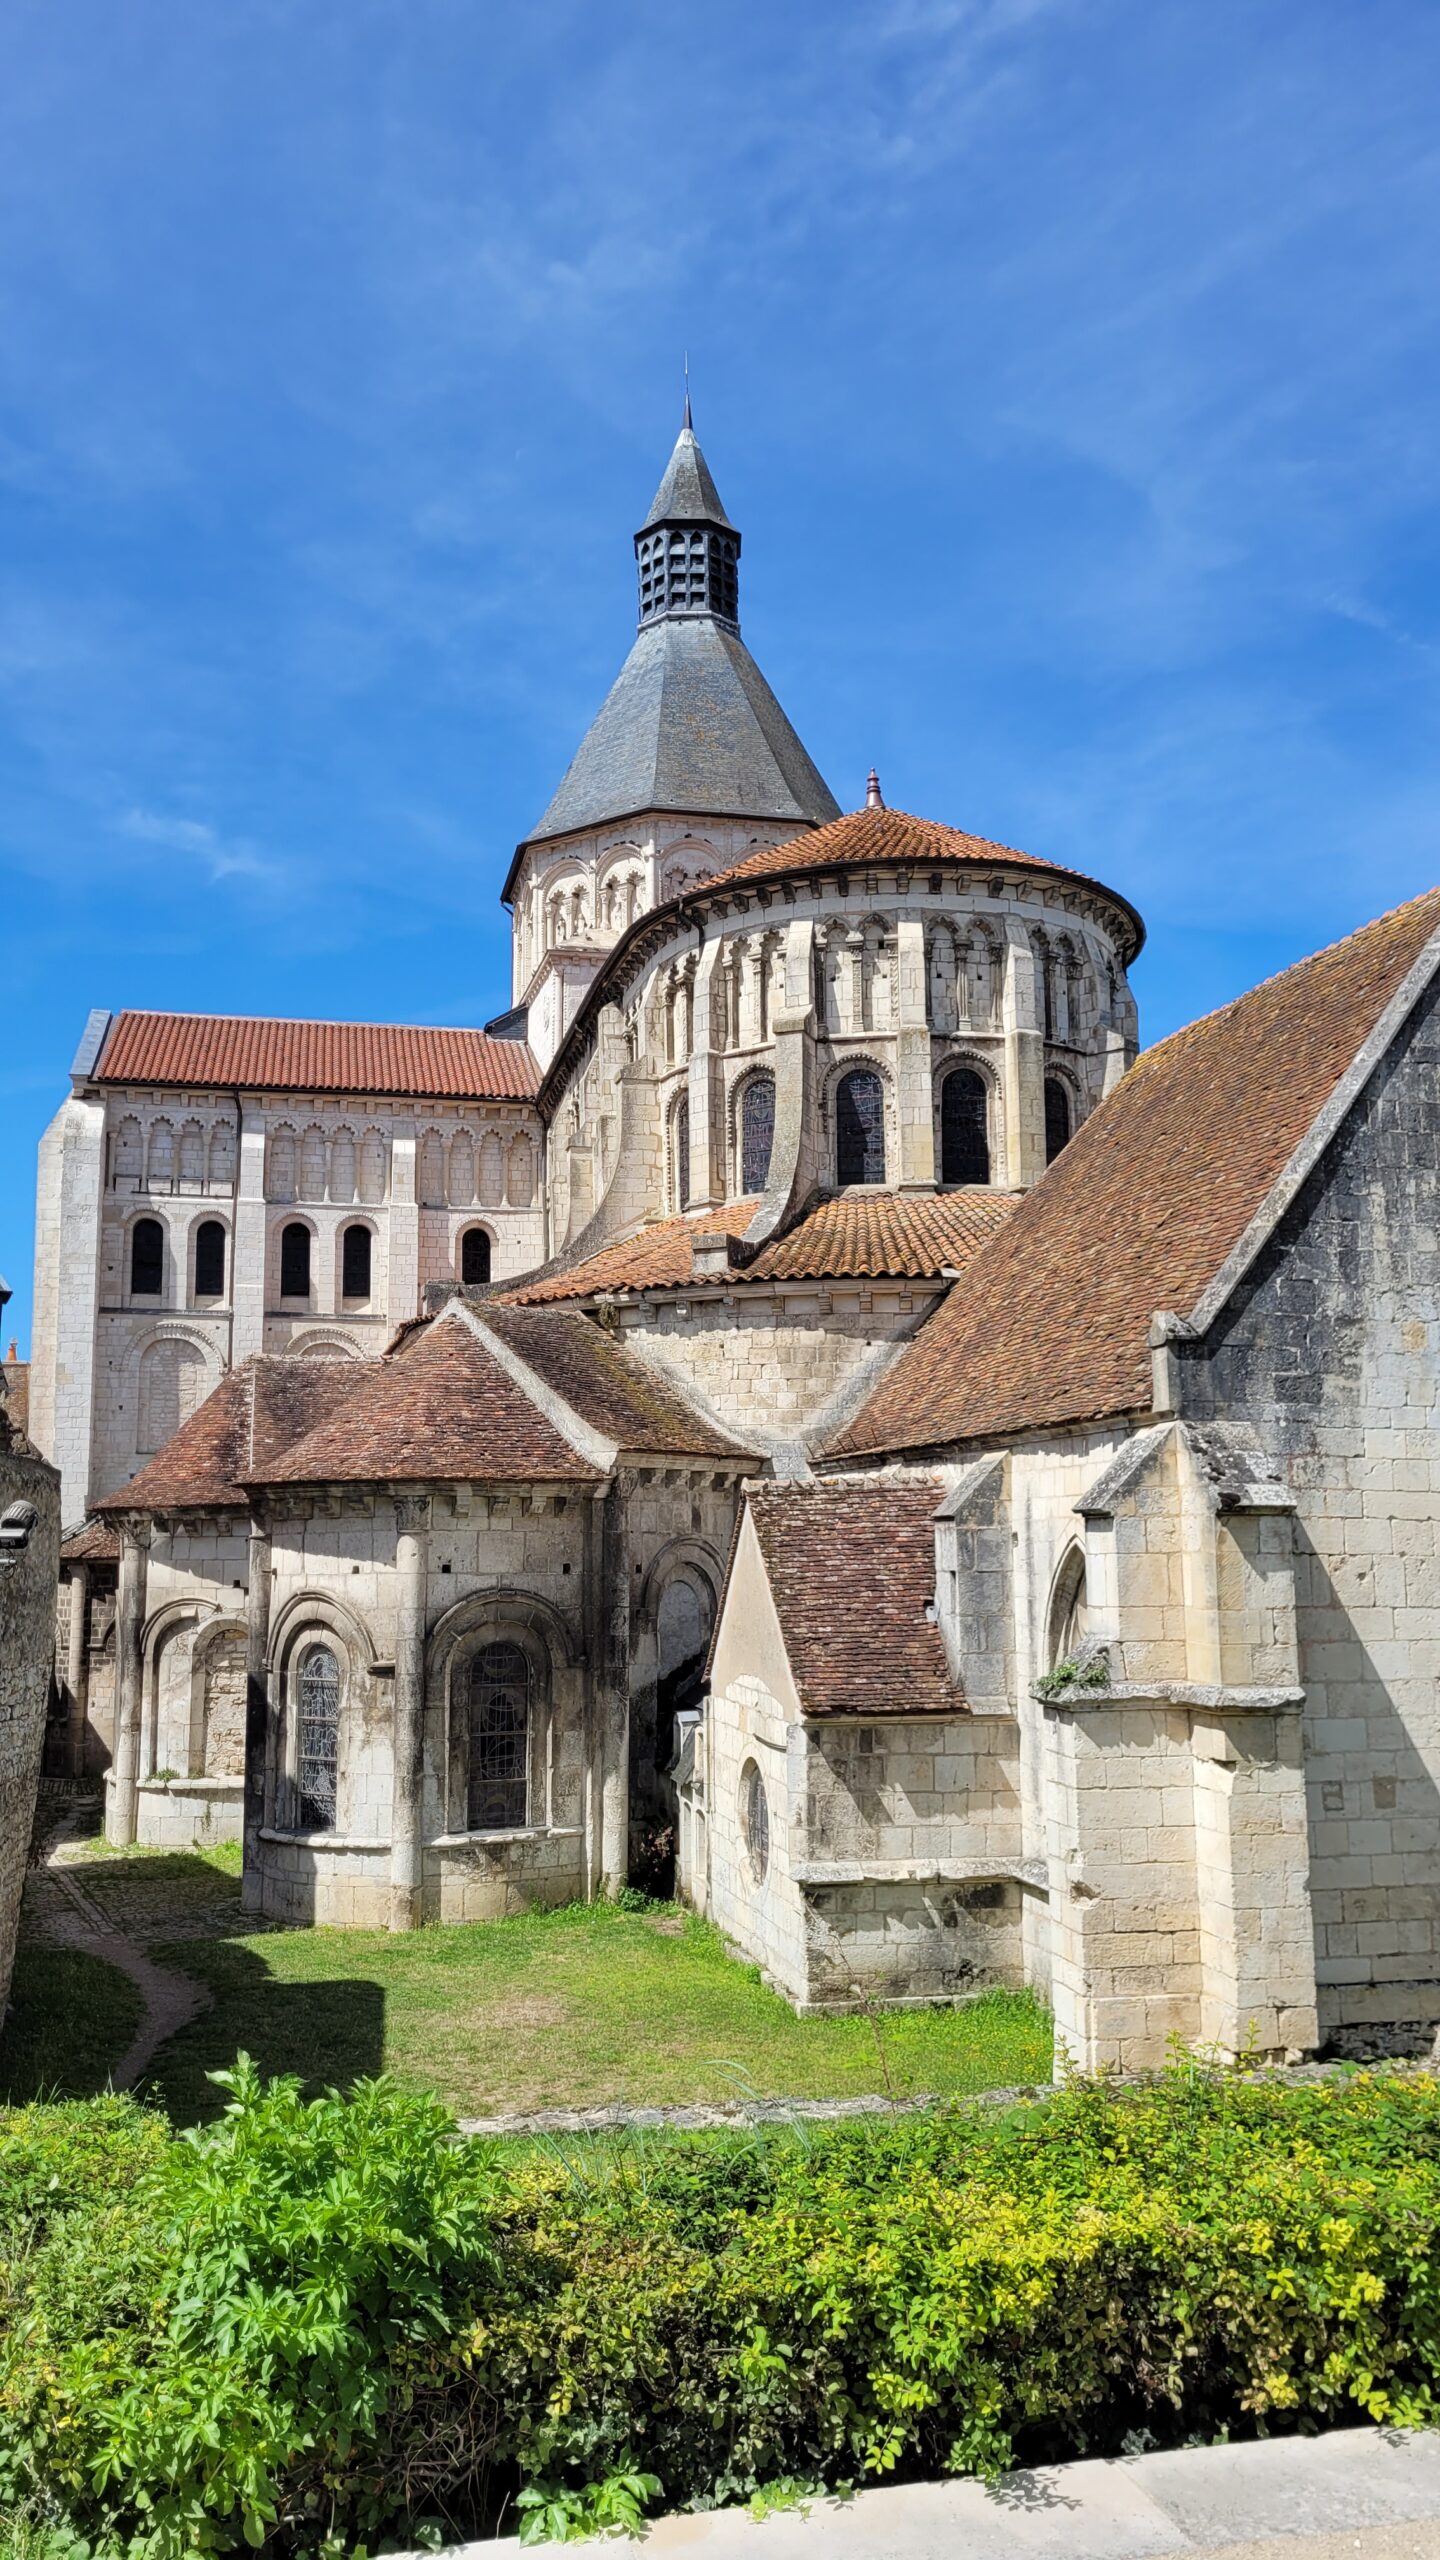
{"type": "Point", "coordinates": [579, 2007]}
{"type": "Point", "coordinates": [71, 2019]}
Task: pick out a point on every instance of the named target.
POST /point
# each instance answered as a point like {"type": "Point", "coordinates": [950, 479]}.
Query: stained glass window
{"type": "Point", "coordinates": [1057, 1118]}
{"type": "Point", "coordinates": [757, 1133]}
{"type": "Point", "coordinates": [682, 1156]}
{"type": "Point", "coordinates": [317, 1756]}
{"type": "Point", "coordinates": [499, 1739]}
{"type": "Point", "coordinates": [860, 1127]}
{"type": "Point", "coordinates": [964, 1143]}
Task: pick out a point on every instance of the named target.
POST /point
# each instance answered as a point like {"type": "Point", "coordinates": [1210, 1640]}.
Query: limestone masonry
{"type": "Point", "coordinates": [792, 1407]}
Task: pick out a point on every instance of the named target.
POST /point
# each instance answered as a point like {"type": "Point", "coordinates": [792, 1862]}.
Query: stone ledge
{"type": "Point", "coordinates": [818, 1871]}
{"type": "Point", "coordinates": [323, 1840]}
{"type": "Point", "coordinates": [1173, 1693]}
{"type": "Point", "coordinates": [233, 1787]}
{"type": "Point", "coordinates": [502, 1839]}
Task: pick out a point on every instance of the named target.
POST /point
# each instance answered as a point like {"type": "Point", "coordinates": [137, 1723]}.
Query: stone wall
{"type": "Point", "coordinates": [1332, 1348]}
{"type": "Point", "coordinates": [29, 1565]}
{"type": "Point", "coordinates": [777, 1366]}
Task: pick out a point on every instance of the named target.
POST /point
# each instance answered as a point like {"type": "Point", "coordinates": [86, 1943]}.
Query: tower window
{"type": "Point", "coordinates": [1057, 1118]}
{"type": "Point", "coordinates": [860, 1127]}
{"type": "Point", "coordinates": [474, 1258]}
{"type": "Point", "coordinates": [355, 1262]}
{"type": "Point", "coordinates": [295, 1261]}
{"type": "Point", "coordinates": [210, 1259]}
{"type": "Point", "coordinates": [964, 1139]}
{"type": "Point", "coordinates": [499, 1786]}
{"type": "Point", "coordinates": [682, 1155]}
{"type": "Point", "coordinates": [757, 1133]}
{"type": "Point", "coordinates": [147, 1258]}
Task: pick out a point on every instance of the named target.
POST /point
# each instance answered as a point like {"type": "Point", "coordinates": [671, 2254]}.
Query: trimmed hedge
{"type": "Point", "coordinates": [312, 2325]}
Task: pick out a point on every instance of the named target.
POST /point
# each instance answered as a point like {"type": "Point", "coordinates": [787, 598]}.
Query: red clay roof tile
{"type": "Point", "coordinates": [859, 1235]}
{"type": "Point", "coordinates": [852, 1570]}
{"type": "Point", "coordinates": [316, 1057]}
{"type": "Point", "coordinates": [607, 1384]}
{"type": "Point", "coordinates": [1051, 1322]}
{"type": "Point", "coordinates": [443, 1408]}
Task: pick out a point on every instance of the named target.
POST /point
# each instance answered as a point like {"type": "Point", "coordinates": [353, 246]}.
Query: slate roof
{"type": "Point", "coordinates": [864, 837]}
{"type": "Point", "coordinates": [315, 1057]}
{"type": "Point", "coordinates": [258, 1410]}
{"type": "Point", "coordinates": [609, 1386]}
{"type": "Point", "coordinates": [689, 724]}
{"type": "Point", "coordinates": [1051, 1322]}
{"type": "Point", "coordinates": [858, 1235]}
{"type": "Point", "coordinates": [852, 1570]}
{"type": "Point", "coordinates": [687, 494]}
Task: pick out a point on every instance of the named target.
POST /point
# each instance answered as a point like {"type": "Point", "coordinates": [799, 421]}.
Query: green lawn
{"type": "Point", "coordinates": [580, 2007]}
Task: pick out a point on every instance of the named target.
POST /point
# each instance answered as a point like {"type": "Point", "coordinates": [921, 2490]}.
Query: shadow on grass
{"type": "Point", "coordinates": [327, 2033]}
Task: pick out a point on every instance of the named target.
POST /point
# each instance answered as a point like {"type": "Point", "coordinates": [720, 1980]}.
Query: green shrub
{"type": "Point", "coordinates": [346, 2323]}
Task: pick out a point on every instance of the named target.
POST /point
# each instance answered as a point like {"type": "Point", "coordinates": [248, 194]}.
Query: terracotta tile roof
{"type": "Point", "coordinates": [852, 1569]}
{"type": "Point", "coordinates": [315, 1057]}
{"type": "Point", "coordinates": [441, 1408]}
{"type": "Point", "coordinates": [859, 1235]}
{"type": "Point", "coordinates": [611, 1387]}
{"type": "Point", "coordinates": [1142, 1209]}
{"type": "Point", "coordinates": [96, 1543]}
{"type": "Point", "coordinates": [867, 836]}
{"type": "Point", "coordinates": [257, 1411]}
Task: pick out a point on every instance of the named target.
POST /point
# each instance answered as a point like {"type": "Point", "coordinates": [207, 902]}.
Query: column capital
{"type": "Point", "coordinates": [412, 1514]}
{"type": "Point", "coordinates": [136, 1528]}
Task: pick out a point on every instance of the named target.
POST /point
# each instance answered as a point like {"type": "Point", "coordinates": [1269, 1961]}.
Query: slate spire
{"type": "Point", "coordinates": [687, 550]}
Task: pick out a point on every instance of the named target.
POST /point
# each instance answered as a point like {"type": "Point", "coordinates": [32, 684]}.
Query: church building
{"type": "Point", "coordinates": [798, 1405]}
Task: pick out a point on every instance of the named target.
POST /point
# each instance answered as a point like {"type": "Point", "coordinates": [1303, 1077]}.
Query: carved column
{"type": "Point", "coordinates": [258, 1584]}
{"type": "Point", "coordinates": [129, 1679]}
{"type": "Point", "coordinates": [77, 1668]}
{"type": "Point", "coordinates": [412, 1524]}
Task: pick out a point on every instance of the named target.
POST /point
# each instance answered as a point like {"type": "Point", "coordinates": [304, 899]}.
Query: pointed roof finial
{"type": "Point", "coordinates": [874, 798]}
{"type": "Point", "coordinates": [688, 421]}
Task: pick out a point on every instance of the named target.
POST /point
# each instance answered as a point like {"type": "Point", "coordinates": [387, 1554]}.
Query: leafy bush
{"type": "Point", "coordinates": [349, 2323]}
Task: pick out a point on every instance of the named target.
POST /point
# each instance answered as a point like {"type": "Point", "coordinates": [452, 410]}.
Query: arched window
{"type": "Point", "coordinates": [295, 1261]}
{"type": "Point", "coordinates": [355, 1263]}
{"type": "Point", "coordinates": [964, 1138]}
{"type": "Point", "coordinates": [757, 1133]}
{"type": "Point", "coordinates": [681, 1127]}
{"type": "Point", "coordinates": [860, 1127]}
{"type": "Point", "coordinates": [1057, 1118]}
{"type": "Point", "coordinates": [474, 1258]}
{"type": "Point", "coordinates": [317, 1749]}
{"type": "Point", "coordinates": [1068, 1623]}
{"type": "Point", "coordinates": [171, 1384]}
{"type": "Point", "coordinates": [499, 1781]}
{"type": "Point", "coordinates": [755, 1820]}
{"type": "Point", "coordinates": [210, 1259]}
{"type": "Point", "coordinates": [147, 1258]}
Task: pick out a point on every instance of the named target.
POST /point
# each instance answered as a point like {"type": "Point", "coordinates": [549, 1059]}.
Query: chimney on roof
{"type": "Point", "coordinates": [710, 1253]}
{"type": "Point", "coordinates": [14, 1351]}
{"type": "Point", "coordinates": [873, 798]}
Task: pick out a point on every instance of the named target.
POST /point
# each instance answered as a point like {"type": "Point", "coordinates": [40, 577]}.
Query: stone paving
{"type": "Point", "coordinates": [1362, 2491]}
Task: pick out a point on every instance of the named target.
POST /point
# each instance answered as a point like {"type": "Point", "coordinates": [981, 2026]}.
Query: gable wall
{"type": "Point", "coordinates": [1332, 1348]}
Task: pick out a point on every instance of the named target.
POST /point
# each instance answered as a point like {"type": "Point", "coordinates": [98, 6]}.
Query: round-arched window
{"type": "Point", "coordinates": [757, 1133]}
{"type": "Point", "coordinates": [295, 1261]}
{"type": "Point", "coordinates": [1057, 1118]}
{"type": "Point", "coordinates": [755, 1820]}
{"type": "Point", "coordinates": [474, 1258]}
{"type": "Point", "coordinates": [317, 1754]}
{"type": "Point", "coordinates": [860, 1127]}
{"type": "Point", "coordinates": [147, 1258]}
{"type": "Point", "coordinates": [210, 1259]}
{"type": "Point", "coordinates": [500, 1701]}
{"type": "Point", "coordinates": [964, 1137]}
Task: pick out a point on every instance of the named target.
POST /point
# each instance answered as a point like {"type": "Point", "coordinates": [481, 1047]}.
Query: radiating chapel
{"type": "Point", "coordinates": [799, 1408]}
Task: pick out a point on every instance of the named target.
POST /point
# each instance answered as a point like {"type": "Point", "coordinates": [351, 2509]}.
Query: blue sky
{"type": "Point", "coordinates": [1070, 366]}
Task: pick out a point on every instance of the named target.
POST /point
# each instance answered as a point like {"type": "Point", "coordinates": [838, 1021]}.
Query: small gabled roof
{"type": "Point", "coordinates": [851, 1567]}
{"type": "Point", "coordinates": [610, 1387]}
{"type": "Point", "coordinates": [264, 1056]}
{"type": "Point", "coordinates": [859, 1235]}
{"type": "Point", "coordinates": [1148, 1205]}
{"type": "Point", "coordinates": [257, 1411]}
{"type": "Point", "coordinates": [443, 1407]}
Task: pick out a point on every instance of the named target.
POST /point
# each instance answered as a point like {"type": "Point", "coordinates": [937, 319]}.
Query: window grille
{"type": "Point", "coordinates": [860, 1127]}
{"type": "Point", "coordinates": [499, 1781]}
{"type": "Point", "coordinates": [317, 1756]}
{"type": "Point", "coordinates": [295, 1262]}
{"type": "Point", "coordinates": [355, 1263]}
{"type": "Point", "coordinates": [757, 1133]}
{"type": "Point", "coordinates": [210, 1259]}
{"type": "Point", "coordinates": [964, 1141]}
{"type": "Point", "coordinates": [147, 1258]}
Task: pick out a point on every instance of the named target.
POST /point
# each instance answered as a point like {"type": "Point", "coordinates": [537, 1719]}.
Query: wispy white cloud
{"type": "Point", "coordinates": [220, 857]}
